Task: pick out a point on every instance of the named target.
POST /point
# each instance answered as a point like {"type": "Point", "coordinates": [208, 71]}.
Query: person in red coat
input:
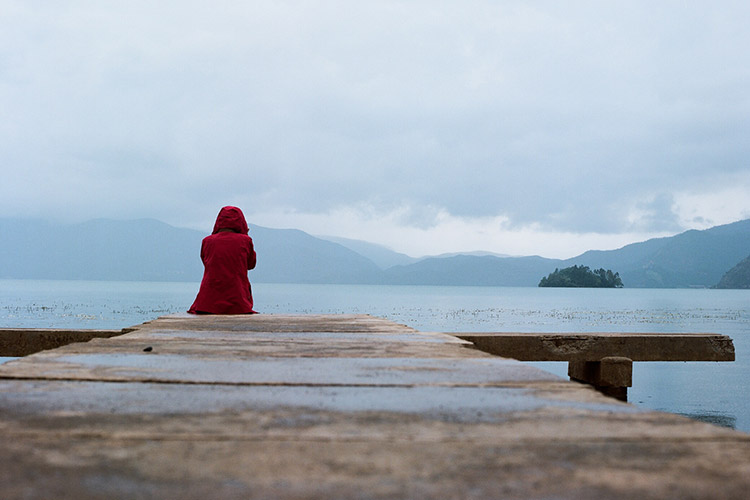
{"type": "Point", "coordinates": [227, 255]}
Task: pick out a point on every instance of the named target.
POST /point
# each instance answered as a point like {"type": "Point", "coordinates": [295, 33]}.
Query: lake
{"type": "Point", "coordinates": [714, 392]}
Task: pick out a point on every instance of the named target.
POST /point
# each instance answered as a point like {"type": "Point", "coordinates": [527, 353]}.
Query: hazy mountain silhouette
{"type": "Point", "coordinates": [149, 250]}
{"type": "Point", "coordinates": [293, 256]}
{"type": "Point", "coordinates": [134, 250]}
{"type": "Point", "coordinates": [476, 270]}
{"type": "Point", "coordinates": [692, 258]}
{"type": "Point", "coordinates": [737, 277]}
{"type": "Point", "coordinates": [382, 256]}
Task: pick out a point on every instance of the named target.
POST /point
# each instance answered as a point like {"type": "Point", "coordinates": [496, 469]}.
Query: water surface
{"type": "Point", "coordinates": [707, 391]}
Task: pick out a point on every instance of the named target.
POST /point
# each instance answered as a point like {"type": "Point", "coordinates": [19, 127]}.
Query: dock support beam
{"type": "Point", "coordinates": [604, 359]}
{"type": "Point", "coordinates": [611, 375]}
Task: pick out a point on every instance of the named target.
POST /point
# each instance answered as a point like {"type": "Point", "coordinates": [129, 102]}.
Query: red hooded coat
{"type": "Point", "coordinates": [226, 256]}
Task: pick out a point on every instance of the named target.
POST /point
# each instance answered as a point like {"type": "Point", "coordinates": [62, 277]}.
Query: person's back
{"type": "Point", "coordinates": [227, 255]}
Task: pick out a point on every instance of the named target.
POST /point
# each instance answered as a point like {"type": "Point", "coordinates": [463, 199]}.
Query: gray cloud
{"type": "Point", "coordinates": [562, 115]}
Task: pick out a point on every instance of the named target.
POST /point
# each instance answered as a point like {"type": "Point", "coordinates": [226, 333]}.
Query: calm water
{"type": "Point", "coordinates": [715, 392]}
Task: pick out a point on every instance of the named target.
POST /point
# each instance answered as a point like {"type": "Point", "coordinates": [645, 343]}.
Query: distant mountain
{"type": "Point", "coordinates": [737, 277]}
{"type": "Point", "coordinates": [478, 253]}
{"type": "Point", "coordinates": [472, 270]}
{"type": "Point", "coordinates": [134, 250]}
{"type": "Point", "coordinates": [149, 250]}
{"type": "Point", "coordinates": [293, 256]}
{"type": "Point", "coordinates": [382, 256]}
{"type": "Point", "coordinates": [690, 259]}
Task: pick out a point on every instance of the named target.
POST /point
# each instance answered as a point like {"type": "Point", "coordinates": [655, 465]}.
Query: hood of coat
{"type": "Point", "coordinates": [231, 218]}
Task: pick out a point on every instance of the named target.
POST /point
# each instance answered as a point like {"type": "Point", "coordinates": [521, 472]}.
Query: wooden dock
{"type": "Point", "coordinates": [604, 360]}
{"type": "Point", "coordinates": [345, 406]}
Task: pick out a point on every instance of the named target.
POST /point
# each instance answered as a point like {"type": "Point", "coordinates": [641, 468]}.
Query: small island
{"type": "Point", "coordinates": [582, 277]}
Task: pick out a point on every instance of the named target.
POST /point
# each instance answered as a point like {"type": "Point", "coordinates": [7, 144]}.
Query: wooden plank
{"type": "Point", "coordinates": [331, 407]}
{"type": "Point", "coordinates": [279, 323]}
{"type": "Point", "coordinates": [595, 346]}
{"type": "Point", "coordinates": [25, 341]}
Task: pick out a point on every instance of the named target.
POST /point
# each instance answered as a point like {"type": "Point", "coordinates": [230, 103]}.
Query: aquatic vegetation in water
{"type": "Point", "coordinates": [59, 314]}
{"type": "Point", "coordinates": [558, 318]}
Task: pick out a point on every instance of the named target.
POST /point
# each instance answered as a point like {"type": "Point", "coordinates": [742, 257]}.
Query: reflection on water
{"type": "Point", "coordinates": [714, 418]}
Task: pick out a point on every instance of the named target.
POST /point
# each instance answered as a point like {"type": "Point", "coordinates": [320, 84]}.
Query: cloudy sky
{"type": "Point", "coordinates": [516, 127]}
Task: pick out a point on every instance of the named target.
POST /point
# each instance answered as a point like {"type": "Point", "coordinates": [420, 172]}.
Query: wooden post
{"type": "Point", "coordinates": [612, 375]}
{"type": "Point", "coordinates": [604, 359]}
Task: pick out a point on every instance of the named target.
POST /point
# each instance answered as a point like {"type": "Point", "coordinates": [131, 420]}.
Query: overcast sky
{"type": "Point", "coordinates": [518, 127]}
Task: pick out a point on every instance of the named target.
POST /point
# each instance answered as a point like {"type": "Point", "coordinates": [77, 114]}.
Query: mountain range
{"type": "Point", "coordinates": [737, 277]}
{"type": "Point", "coordinates": [150, 250]}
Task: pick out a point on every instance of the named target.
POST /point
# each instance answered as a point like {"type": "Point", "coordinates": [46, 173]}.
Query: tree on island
{"type": "Point", "coordinates": [582, 277]}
